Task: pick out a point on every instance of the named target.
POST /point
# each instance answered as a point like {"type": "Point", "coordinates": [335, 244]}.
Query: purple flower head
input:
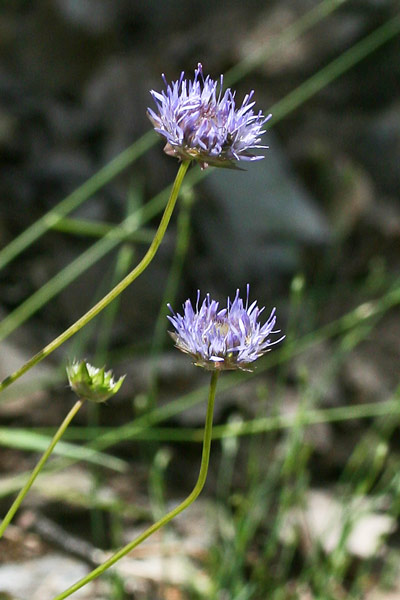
{"type": "Point", "coordinates": [223, 339]}
{"type": "Point", "coordinates": [201, 122]}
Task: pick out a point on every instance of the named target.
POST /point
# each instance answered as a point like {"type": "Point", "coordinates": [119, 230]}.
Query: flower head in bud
{"type": "Point", "coordinates": [91, 383]}
{"type": "Point", "coordinates": [223, 339]}
{"type": "Point", "coordinates": [203, 123]}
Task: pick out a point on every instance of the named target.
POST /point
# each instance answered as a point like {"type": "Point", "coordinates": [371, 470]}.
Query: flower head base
{"type": "Point", "coordinates": [201, 123]}
{"type": "Point", "coordinates": [90, 383]}
{"type": "Point", "coordinates": [223, 339]}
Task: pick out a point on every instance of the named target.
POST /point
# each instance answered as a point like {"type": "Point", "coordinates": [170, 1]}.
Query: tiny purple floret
{"type": "Point", "coordinates": [202, 123]}
{"type": "Point", "coordinates": [223, 339]}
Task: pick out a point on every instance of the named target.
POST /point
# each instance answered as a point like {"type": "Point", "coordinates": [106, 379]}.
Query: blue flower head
{"type": "Point", "coordinates": [202, 123]}
{"type": "Point", "coordinates": [223, 339]}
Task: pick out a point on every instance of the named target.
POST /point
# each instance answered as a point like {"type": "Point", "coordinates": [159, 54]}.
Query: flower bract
{"type": "Point", "coordinates": [203, 123]}
{"type": "Point", "coordinates": [223, 339]}
{"type": "Point", "coordinates": [91, 383]}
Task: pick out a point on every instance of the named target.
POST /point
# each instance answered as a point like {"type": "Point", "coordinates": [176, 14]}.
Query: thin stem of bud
{"type": "Point", "coordinates": [18, 500]}
{"type": "Point", "coordinates": [169, 516]}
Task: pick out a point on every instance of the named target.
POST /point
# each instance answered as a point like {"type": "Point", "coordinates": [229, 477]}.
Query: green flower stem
{"type": "Point", "coordinates": [18, 500]}
{"type": "Point", "coordinates": [169, 516]}
{"type": "Point", "coordinates": [118, 289]}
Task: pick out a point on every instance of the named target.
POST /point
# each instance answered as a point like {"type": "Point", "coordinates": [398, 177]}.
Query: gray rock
{"type": "Point", "coordinates": [28, 392]}
{"type": "Point", "coordinates": [258, 221]}
{"type": "Point", "coordinates": [43, 578]}
{"type": "Point", "coordinates": [378, 146]}
{"type": "Point", "coordinates": [93, 16]}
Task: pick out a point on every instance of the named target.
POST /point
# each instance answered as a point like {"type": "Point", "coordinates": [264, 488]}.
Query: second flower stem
{"type": "Point", "coordinates": [122, 285]}
{"type": "Point", "coordinates": [173, 513]}
{"type": "Point", "coordinates": [18, 500]}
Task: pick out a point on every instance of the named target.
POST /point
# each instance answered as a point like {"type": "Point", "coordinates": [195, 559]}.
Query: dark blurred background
{"type": "Point", "coordinates": [74, 87]}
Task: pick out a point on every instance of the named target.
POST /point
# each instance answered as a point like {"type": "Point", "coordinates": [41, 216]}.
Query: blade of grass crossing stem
{"type": "Point", "coordinates": [96, 229]}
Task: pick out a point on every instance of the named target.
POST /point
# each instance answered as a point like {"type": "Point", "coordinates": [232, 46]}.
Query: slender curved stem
{"type": "Point", "coordinates": [173, 513]}
{"type": "Point", "coordinates": [18, 500]}
{"type": "Point", "coordinates": [122, 285]}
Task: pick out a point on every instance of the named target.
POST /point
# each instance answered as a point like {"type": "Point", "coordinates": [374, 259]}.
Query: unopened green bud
{"type": "Point", "coordinates": [91, 383]}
